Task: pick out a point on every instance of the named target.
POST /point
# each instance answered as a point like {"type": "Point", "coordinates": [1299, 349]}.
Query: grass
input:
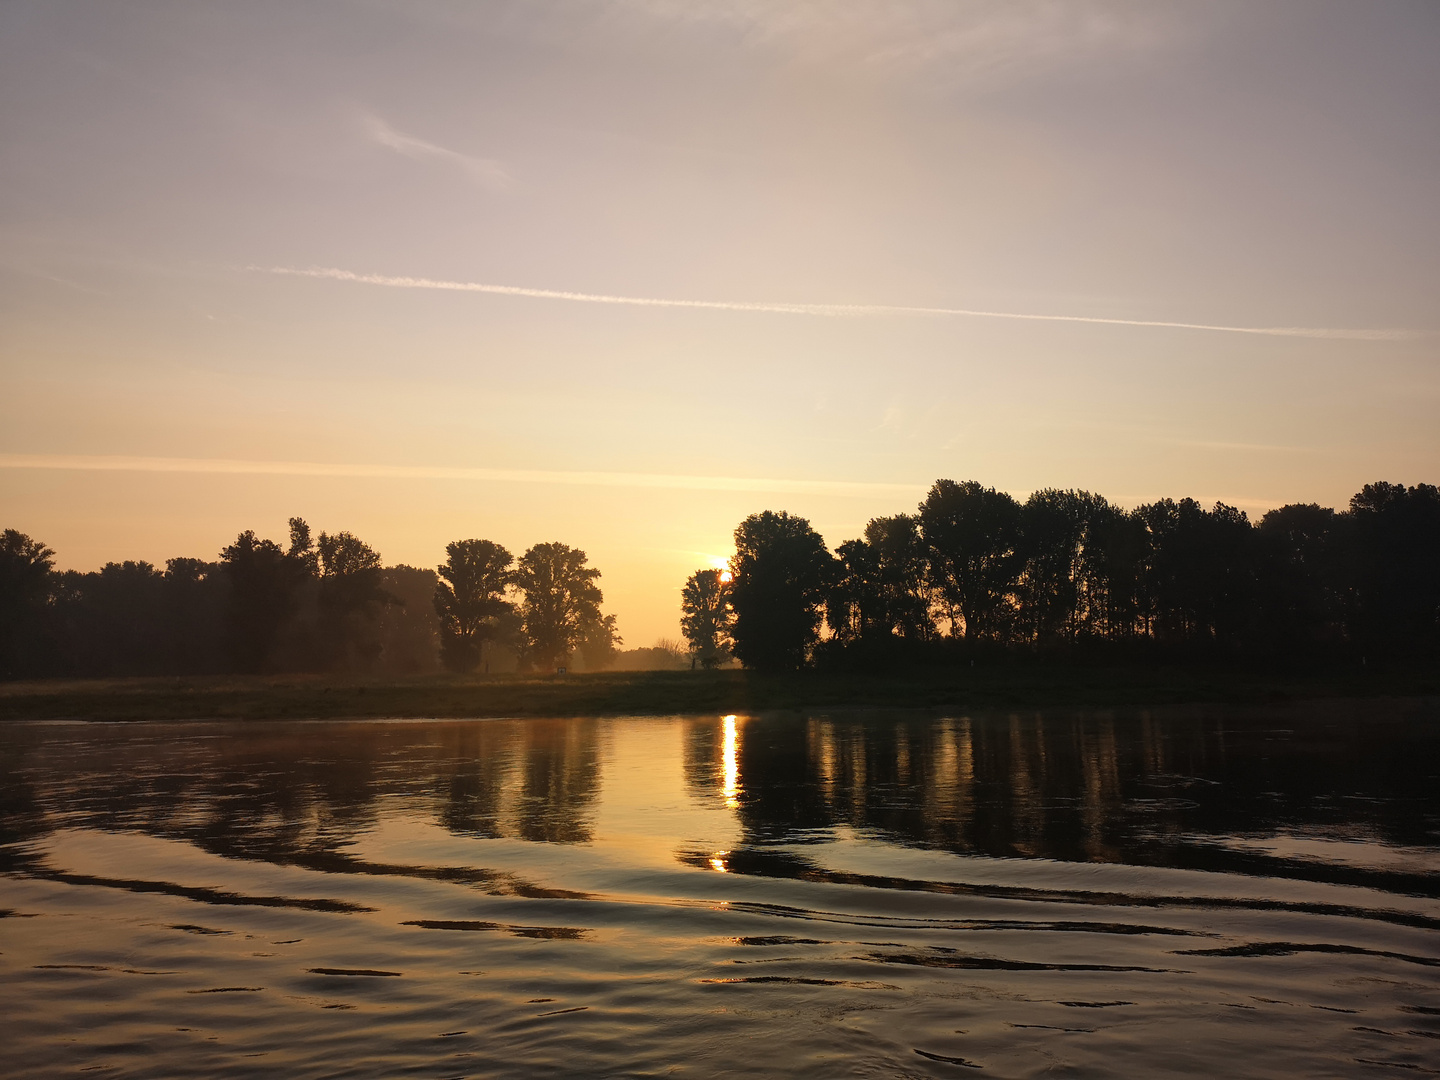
{"type": "Point", "coordinates": [674, 692]}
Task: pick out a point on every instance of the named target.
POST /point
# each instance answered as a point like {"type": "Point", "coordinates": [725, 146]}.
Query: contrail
{"type": "Point", "coordinates": [832, 310]}
{"type": "Point", "coordinates": [115, 463]}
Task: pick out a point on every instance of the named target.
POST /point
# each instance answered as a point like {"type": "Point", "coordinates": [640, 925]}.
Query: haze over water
{"type": "Point", "coordinates": [1195, 892]}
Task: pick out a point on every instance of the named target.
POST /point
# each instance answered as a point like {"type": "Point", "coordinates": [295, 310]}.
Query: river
{"type": "Point", "coordinates": [1205, 891]}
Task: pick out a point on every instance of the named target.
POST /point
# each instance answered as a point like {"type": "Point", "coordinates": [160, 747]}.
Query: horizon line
{"type": "Point", "coordinates": [824, 310]}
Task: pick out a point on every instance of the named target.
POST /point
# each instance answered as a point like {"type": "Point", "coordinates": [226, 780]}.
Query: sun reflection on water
{"type": "Point", "coordinates": [731, 760]}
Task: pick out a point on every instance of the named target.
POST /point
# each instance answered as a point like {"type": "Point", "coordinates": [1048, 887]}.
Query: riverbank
{"type": "Point", "coordinates": [656, 693]}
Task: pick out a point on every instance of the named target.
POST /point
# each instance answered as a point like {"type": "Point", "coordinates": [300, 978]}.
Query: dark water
{"type": "Point", "coordinates": [1216, 892]}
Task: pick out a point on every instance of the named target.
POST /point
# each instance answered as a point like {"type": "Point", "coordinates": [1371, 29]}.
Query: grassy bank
{"type": "Point", "coordinates": [669, 692]}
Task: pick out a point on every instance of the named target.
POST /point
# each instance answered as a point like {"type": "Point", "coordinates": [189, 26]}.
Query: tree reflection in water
{"type": "Point", "coordinates": [1140, 788]}
{"type": "Point", "coordinates": [1144, 788]}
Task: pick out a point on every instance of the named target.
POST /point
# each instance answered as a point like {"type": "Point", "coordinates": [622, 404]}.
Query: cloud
{"type": "Point", "coordinates": [482, 170]}
{"type": "Point", "coordinates": [963, 40]}
{"type": "Point", "coordinates": [829, 310]}
{"type": "Point", "coordinates": [222, 466]}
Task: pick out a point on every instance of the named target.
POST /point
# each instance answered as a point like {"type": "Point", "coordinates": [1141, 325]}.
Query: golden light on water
{"type": "Point", "coordinates": [731, 760]}
{"type": "Point", "coordinates": [717, 862]}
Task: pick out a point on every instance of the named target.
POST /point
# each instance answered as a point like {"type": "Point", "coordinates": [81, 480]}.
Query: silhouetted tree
{"type": "Point", "coordinates": [409, 629]}
{"type": "Point", "coordinates": [26, 566]}
{"type": "Point", "coordinates": [113, 620]}
{"type": "Point", "coordinates": [471, 601]}
{"type": "Point", "coordinates": [1301, 599]}
{"type": "Point", "coordinates": [1394, 568]}
{"type": "Point", "coordinates": [1198, 580]}
{"type": "Point", "coordinates": [349, 600]}
{"type": "Point", "coordinates": [973, 533]}
{"type": "Point", "coordinates": [197, 595]}
{"type": "Point", "coordinates": [600, 643]}
{"type": "Point", "coordinates": [781, 571]}
{"type": "Point", "coordinates": [706, 616]}
{"type": "Point", "coordinates": [1067, 543]}
{"type": "Point", "coordinates": [265, 585]}
{"type": "Point", "coordinates": [561, 602]}
{"type": "Point", "coordinates": [902, 567]}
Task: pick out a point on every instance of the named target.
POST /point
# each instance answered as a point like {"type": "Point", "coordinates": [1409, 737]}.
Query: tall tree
{"type": "Point", "coordinates": [781, 571]}
{"type": "Point", "coordinates": [1197, 581]}
{"type": "Point", "coordinates": [350, 599]}
{"type": "Point", "coordinates": [1069, 542]}
{"type": "Point", "coordinates": [561, 602]}
{"type": "Point", "coordinates": [902, 576]}
{"type": "Point", "coordinates": [26, 568]}
{"type": "Point", "coordinates": [600, 643]}
{"type": "Point", "coordinates": [706, 616]}
{"type": "Point", "coordinates": [265, 587]}
{"type": "Point", "coordinates": [1300, 577]}
{"type": "Point", "coordinates": [1394, 540]}
{"type": "Point", "coordinates": [470, 601]}
{"type": "Point", "coordinates": [973, 534]}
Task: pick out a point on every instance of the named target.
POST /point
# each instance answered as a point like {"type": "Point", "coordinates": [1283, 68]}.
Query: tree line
{"type": "Point", "coordinates": [313, 604]}
{"type": "Point", "coordinates": [974, 572]}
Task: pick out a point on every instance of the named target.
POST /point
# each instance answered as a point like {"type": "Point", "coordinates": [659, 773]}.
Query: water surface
{"type": "Point", "coordinates": [1189, 892]}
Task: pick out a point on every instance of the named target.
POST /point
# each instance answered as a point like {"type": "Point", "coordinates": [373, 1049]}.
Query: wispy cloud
{"type": "Point", "coordinates": [962, 40]}
{"type": "Point", "coordinates": [831, 310]}
{"type": "Point", "coordinates": [482, 170]}
{"type": "Point", "coordinates": [223, 466]}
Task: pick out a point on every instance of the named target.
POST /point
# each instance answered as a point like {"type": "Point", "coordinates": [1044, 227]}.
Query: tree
{"type": "Point", "coordinates": [706, 617]}
{"type": "Point", "coordinates": [1394, 560]}
{"type": "Point", "coordinates": [265, 586]}
{"type": "Point", "coordinates": [1070, 542]}
{"type": "Point", "coordinates": [561, 602]}
{"type": "Point", "coordinates": [410, 628]}
{"type": "Point", "coordinates": [903, 576]}
{"type": "Point", "coordinates": [973, 533]}
{"type": "Point", "coordinates": [1197, 581]}
{"type": "Point", "coordinates": [471, 601]}
{"type": "Point", "coordinates": [600, 643]}
{"type": "Point", "coordinates": [781, 571]}
{"type": "Point", "coordinates": [350, 599]}
{"type": "Point", "coordinates": [26, 568]}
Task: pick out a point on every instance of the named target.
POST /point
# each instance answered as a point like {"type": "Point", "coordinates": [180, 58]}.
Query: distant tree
{"type": "Point", "coordinates": [409, 629]}
{"type": "Point", "coordinates": [781, 572]}
{"type": "Point", "coordinates": [265, 587]}
{"type": "Point", "coordinates": [1393, 559]}
{"type": "Point", "coordinates": [903, 576]}
{"type": "Point", "coordinates": [1070, 543]}
{"type": "Point", "coordinates": [1197, 581]}
{"type": "Point", "coordinates": [600, 643]}
{"type": "Point", "coordinates": [26, 568]}
{"type": "Point", "coordinates": [196, 597]}
{"type": "Point", "coordinates": [1111, 561]}
{"type": "Point", "coordinates": [113, 621]}
{"type": "Point", "coordinates": [973, 534]}
{"type": "Point", "coordinates": [706, 617]}
{"type": "Point", "coordinates": [349, 601]}
{"type": "Point", "coordinates": [1302, 599]}
{"type": "Point", "coordinates": [561, 602]}
{"type": "Point", "coordinates": [470, 601]}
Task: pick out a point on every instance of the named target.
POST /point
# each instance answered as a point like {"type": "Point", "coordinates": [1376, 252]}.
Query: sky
{"type": "Point", "coordinates": [620, 273]}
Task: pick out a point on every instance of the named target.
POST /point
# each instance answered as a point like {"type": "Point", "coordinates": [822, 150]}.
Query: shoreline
{"type": "Point", "coordinates": [668, 693]}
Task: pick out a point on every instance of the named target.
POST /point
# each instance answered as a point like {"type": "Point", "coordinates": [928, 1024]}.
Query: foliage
{"type": "Point", "coordinates": [973, 536]}
{"type": "Point", "coordinates": [780, 574]}
{"type": "Point", "coordinates": [706, 617]}
{"type": "Point", "coordinates": [561, 603]}
{"type": "Point", "coordinates": [471, 602]}
{"type": "Point", "coordinates": [26, 566]}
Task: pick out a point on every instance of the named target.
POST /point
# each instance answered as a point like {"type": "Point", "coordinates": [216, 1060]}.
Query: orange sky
{"type": "Point", "coordinates": [810, 174]}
